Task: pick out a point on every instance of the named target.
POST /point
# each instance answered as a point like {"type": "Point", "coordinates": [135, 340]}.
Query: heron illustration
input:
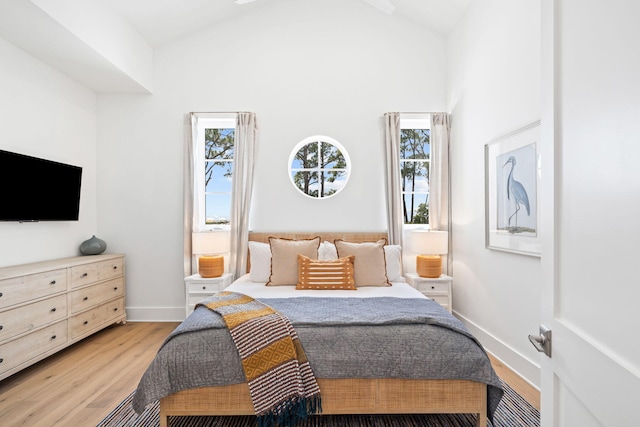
{"type": "Point", "coordinates": [516, 189]}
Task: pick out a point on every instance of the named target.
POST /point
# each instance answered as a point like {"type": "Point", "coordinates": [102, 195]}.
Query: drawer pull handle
{"type": "Point", "coordinates": [85, 299]}
{"type": "Point", "coordinates": [53, 309]}
{"type": "Point", "coordinates": [115, 309]}
{"type": "Point", "coordinates": [53, 282]}
{"type": "Point", "coordinates": [115, 288]}
{"type": "Point", "coordinates": [53, 337]}
{"type": "Point", "coordinates": [204, 288]}
{"type": "Point", "coordinates": [115, 267]}
{"type": "Point", "coordinates": [85, 274]}
{"type": "Point", "coordinates": [0, 294]}
{"type": "Point", "coordinates": [86, 322]}
{"type": "Point", "coordinates": [1, 327]}
{"type": "Point", "coordinates": [1, 360]}
{"type": "Point", "coordinates": [433, 287]}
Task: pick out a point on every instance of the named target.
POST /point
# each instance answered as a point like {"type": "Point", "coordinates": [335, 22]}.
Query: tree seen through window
{"type": "Point", "coordinates": [219, 151]}
{"type": "Point", "coordinates": [415, 155]}
{"type": "Point", "coordinates": [319, 167]}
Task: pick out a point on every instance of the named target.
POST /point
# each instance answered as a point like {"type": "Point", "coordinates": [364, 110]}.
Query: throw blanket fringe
{"type": "Point", "coordinates": [290, 416]}
{"type": "Point", "coordinates": [281, 383]}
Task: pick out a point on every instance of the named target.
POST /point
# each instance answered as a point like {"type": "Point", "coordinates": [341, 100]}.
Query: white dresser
{"type": "Point", "coordinates": [438, 289]}
{"type": "Point", "coordinates": [47, 306]}
{"type": "Point", "coordinates": [198, 288]}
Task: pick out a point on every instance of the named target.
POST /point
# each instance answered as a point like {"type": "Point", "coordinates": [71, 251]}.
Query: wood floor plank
{"type": "Point", "coordinates": [522, 387]}
{"type": "Point", "coordinates": [80, 385]}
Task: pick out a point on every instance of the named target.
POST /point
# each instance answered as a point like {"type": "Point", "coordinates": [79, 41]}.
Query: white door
{"type": "Point", "coordinates": [590, 149]}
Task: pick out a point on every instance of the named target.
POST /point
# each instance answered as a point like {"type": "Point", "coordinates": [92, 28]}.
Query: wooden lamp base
{"type": "Point", "coordinates": [429, 266]}
{"type": "Point", "coordinates": [211, 266]}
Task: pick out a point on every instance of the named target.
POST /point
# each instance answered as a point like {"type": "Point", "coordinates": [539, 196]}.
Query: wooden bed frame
{"type": "Point", "coordinates": [341, 396]}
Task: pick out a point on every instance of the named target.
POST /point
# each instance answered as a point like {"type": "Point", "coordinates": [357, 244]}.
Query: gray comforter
{"type": "Point", "coordinates": [342, 337]}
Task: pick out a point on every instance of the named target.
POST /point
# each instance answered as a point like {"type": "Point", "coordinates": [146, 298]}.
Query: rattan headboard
{"type": "Point", "coordinates": [355, 237]}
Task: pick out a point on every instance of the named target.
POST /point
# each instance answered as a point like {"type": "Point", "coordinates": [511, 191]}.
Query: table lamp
{"type": "Point", "coordinates": [209, 245]}
{"type": "Point", "coordinates": [429, 245]}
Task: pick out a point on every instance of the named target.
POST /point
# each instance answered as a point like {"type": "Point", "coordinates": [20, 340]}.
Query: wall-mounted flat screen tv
{"type": "Point", "coordinates": [34, 189]}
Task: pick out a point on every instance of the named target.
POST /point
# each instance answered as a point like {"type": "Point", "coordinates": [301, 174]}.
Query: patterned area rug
{"type": "Point", "coordinates": [513, 411]}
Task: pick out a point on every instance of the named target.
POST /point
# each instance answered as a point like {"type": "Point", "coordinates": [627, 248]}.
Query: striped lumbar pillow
{"type": "Point", "coordinates": [333, 274]}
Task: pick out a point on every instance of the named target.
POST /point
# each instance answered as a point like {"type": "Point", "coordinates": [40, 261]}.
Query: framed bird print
{"type": "Point", "coordinates": [512, 185]}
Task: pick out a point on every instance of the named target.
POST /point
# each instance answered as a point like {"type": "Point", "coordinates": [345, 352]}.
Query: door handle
{"type": "Point", "coordinates": [542, 342]}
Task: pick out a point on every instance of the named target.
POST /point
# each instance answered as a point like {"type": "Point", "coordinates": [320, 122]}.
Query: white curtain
{"type": "Point", "coordinates": [439, 178]}
{"type": "Point", "coordinates": [245, 148]}
{"type": "Point", "coordinates": [393, 178]}
{"type": "Point", "coordinates": [189, 185]}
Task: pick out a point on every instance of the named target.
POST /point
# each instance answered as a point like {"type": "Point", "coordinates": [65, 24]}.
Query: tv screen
{"type": "Point", "coordinates": [33, 189]}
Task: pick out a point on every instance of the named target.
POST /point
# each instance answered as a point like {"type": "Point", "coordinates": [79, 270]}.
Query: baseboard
{"type": "Point", "coordinates": [155, 314]}
{"type": "Point", "coordinates": [512, 359]}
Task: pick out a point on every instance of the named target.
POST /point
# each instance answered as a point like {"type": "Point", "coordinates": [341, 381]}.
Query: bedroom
{"type": "Point", "coordinates": [485, 72]}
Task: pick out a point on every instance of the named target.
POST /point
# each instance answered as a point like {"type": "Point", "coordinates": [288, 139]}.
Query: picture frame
{"type": "Point", "coordinates": [512, 192]}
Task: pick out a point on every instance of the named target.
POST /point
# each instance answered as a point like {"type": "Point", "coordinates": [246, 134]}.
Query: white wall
{"type": "Point", "coordinates": [45, 114]}
{"type": "Point", "coordinates": [304, 70]}
{"type": "Point", "coordinates": [493, 89]}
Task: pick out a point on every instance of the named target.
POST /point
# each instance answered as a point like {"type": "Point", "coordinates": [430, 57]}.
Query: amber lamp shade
{"type": "Point", "coordinates": [210, 245]}
{"type": "Point", "coordinates": [430, 245]}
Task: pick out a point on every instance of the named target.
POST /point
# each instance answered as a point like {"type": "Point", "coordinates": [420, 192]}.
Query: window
{"type": "Point", "coordinates": [319, 167]}
{"type": "Point", "coordinates": [214, 171]}
{"type": "Point", "coordinates": [415, 154]}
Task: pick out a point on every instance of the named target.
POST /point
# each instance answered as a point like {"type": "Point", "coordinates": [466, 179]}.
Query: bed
{"type": "Point", "coordinates": [429, 363]}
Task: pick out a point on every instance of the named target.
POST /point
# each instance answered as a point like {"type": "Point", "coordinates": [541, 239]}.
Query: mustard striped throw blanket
{"type": "Point", "coordinates": [282, 386]}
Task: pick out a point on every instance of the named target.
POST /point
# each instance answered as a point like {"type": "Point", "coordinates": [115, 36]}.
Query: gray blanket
{"type": "Point", "coordinates": [342, 337]}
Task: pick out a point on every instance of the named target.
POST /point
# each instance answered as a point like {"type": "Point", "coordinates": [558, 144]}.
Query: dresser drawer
{"type": "Point", "coordinates": [110, 269]}
{"type": "Point", "coordinates": [26, 288]}
{"type": "Point", "coordinates": [94, 272]}
{"type": "Point", "coordinates": [439, 287]}
{"type": "Point", "coordinates": [83, 323]}
{"type": "Point", "coordinates": [443, 300]}
{"type": "Point", "coordinates": [210, 288]}
{"type": "Point", "coordinates": [84, 274]}
{"type": "Point", "coordinates": [196, 298]}
{"type": "Point", "coordinates": [92, 296]}
{"type": "Point", "coordinates": [24, 319]}
{"type": "Point", "coordinates": [21, 350]}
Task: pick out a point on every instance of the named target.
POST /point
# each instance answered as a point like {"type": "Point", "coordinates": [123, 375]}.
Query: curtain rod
{"type": "Point", "coordinates": [217, 112]}
{"type": "Point", "coordinates": [412, 113]}
{"type": "Point", "coordinates": [423, 112]}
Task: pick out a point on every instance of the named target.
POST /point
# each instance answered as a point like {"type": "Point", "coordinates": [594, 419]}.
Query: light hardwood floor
{"type": "Point", "coordinates": [80, 385]}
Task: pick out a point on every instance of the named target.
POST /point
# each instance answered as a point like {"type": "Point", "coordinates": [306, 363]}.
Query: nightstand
{"type": "Point", "coordinates": [438, 289]}
{"type": "Point", "coordinates": [199, 288]}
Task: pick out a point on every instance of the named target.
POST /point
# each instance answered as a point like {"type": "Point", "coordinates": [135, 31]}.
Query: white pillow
{"type": "Point", "coordinates": [260, 258]}
{"type": "Point", "coordinates": [392, 253]}
{"type": "Point", "coordinates": [327, 251]}
{"type": "Point", "coordinates": [393, 258]}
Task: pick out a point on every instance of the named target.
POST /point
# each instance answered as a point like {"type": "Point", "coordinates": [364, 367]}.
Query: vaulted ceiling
{"type": "Point", "coordinates": [160, 21]}
{"type": "Point", "coordinates": [108, 45]}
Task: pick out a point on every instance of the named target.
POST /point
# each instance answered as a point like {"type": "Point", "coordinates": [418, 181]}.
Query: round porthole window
{"type": "Point", "coordinates": [319, 167]}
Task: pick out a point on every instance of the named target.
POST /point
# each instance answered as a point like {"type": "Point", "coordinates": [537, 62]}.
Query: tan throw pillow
{"type": "Point", "coordinates": [284, 259]}
{"type": "Point", "coordinates": [369, 265]}
{"type": "Point", "coordinates": [334, 274]}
